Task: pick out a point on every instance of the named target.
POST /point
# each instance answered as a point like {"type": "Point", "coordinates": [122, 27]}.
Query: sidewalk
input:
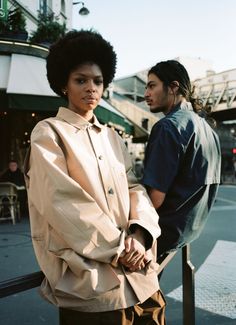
{"type": "Point", "coordinates": [17, 259]}
{"type": "Point", "coordinates": [28, 308]}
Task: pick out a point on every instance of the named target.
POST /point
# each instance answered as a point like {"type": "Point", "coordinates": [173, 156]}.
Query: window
{"type": "Point", "coordinates": [45, 6]}
{"type": "Point", "coordinates": [63, 6]}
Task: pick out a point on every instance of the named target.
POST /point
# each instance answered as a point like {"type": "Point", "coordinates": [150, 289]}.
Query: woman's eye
{"type": "Point", "coordinates": [98, 82]}
{"type": "Point", "coordinates": [80, 81]}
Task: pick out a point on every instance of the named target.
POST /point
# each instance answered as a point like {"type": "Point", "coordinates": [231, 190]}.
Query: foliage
{"type": "Point", "coordinates": [14, 23]}
{"type": "Point", "coordinates": [49, 29]}
{"type": "Point", "coordinates": [17, 20]}
{"type": "Point", "coordinates": [2, 25]}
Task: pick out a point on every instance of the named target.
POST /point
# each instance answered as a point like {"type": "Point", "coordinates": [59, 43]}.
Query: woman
{"type": "Point", "coordinates": [93, 226]}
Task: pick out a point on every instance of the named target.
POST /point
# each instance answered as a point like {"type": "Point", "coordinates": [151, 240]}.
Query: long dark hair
{"type": "Point", "coordinates": [171, 70]}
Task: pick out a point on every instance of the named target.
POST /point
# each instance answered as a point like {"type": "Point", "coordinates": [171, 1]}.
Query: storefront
{"type": "Point", "coordinates": [26, 98]}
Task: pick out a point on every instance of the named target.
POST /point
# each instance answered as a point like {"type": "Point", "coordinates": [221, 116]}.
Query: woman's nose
{"type": "Point", "coordinates": [91, 86]}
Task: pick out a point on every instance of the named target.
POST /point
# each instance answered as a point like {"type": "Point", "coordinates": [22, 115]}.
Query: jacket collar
{"type": "Point", "coordinates": [76, 120]}
{"type": "Point", "coordinates": [183, 105]}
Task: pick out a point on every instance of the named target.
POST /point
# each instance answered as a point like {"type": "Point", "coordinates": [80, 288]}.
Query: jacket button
{"type": "Point", "coordinates": [100, 157]}
{"type": "Point", "coordinates": [110, 191]}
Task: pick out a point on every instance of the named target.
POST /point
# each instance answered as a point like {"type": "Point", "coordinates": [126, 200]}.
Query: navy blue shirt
{"type": "Point", "coordinates": [182, 160]}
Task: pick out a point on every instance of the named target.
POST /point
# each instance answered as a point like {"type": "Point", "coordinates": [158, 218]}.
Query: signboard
{"type": "Point", "coordinates": [3, 9]}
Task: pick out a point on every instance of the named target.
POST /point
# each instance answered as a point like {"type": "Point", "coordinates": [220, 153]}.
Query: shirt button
{"type": "Point", "coordinates": [100, 157]}
{"type": "Point", "coordinates": [110, 191]}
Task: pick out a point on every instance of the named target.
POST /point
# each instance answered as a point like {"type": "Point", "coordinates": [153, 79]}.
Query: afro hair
{"type": "Point", "coordinates": [75, 48]}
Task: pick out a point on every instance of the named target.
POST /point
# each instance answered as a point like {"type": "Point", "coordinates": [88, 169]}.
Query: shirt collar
{"type": "Point", "coordinates": [183, 105]}
{"type": "Point", "coordinates": [77, 120]}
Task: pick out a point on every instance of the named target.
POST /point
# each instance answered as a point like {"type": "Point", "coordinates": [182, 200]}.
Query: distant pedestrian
{"type": "Point", "coordinates": [138, 168]}
{"type": "Point", "coordinates": [183, 158]}
{"type": "Point", "coordinates": [13, 174]}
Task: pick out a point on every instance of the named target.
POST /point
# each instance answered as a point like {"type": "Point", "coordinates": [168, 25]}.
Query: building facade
{"type": "Point", "coordinates": [25, 95]}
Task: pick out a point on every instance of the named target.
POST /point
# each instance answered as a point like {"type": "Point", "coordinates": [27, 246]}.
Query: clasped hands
{"type": "Point", "coordinates": [134, 255]}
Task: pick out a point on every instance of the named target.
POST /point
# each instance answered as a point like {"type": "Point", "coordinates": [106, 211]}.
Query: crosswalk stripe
{"type": "Point", "coordinates": [215, 282]}
{"type": "Point", "coordinates": [226, 200]}
{"type": "Point", "coordinates": [224, 208]}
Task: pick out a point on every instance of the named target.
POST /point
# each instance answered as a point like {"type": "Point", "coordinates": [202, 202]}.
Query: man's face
{"type": "Point", "coordinates": [13, 166]}
{"type": "Point", "coordinates": [158, 98]}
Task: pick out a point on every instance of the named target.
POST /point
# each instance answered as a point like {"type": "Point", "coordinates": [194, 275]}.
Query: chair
{"type": "Point", "coordinates": [9, 204]}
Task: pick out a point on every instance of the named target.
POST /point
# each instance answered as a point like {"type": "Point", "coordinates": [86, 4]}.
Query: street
{"type": "Point", "coordinates": [213, 254]}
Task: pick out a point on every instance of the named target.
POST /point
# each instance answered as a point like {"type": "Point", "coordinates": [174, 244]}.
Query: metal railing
{"type": "Point", "coordinates": [188, 271]}
{"type": "Point", "coordinates": [33, 280]}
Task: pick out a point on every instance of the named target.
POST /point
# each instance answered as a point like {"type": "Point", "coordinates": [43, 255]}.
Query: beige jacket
{"type": "Point", "coordinates": [83, 197]}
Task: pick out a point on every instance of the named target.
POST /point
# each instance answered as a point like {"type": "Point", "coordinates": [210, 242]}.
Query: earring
{"type": "Point", "coordinates": [64, 91]}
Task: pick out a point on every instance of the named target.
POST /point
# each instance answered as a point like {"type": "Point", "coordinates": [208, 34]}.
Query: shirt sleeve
{"type": "Point", "coordinates": [142, 212]}
{"type": "Point", "coordinates": [74, 219]}
{"type": "Point", "coordinates": [162, 157]}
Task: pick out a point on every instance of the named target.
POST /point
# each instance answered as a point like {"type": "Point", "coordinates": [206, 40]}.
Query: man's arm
{"type": "Point", "coordinates": [157, 197]}
{"type": "Point", "coordinates": [164, 153]}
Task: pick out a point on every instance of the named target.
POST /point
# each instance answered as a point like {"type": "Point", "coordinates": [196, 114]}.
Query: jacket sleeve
{"type": "Point", "coordinates": [142, 212]}
{"type": "Point", "coordinates": [73, 218]}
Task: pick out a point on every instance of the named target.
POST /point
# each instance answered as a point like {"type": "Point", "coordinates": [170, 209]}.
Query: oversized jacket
{"type": "Point", "coordinates": [83, 198]}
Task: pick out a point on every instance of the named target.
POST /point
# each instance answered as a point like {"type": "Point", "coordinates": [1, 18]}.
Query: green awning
{"type": "Point", "coordinates": [109, 115]}
{"type": "Point", "coordinates": [24, 87]}
{"type": "Point", "coordinates": [35, 103]}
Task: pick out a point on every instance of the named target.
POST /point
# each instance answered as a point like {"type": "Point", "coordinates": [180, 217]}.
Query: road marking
{"type": "Point", "coordinates": [215, 281]}
{"type": "Point", "coordinates": [228, 186]}
{"type": "Point", "coordinates": [225, 200]}
{"type": "Point", "coordinates": [224, 208]}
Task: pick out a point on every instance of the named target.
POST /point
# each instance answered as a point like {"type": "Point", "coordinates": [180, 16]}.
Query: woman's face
{"type": "Point", "coordinates": [84, 89]}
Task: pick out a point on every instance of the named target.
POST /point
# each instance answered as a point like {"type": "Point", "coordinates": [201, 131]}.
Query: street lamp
{"type": "Point", "coordinates": [83, 11]}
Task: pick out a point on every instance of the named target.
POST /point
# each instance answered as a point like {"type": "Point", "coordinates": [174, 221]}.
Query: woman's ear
{"type": "Point", "coordinates": [64, 91]}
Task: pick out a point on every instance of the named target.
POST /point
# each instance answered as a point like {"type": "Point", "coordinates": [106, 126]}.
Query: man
{"type": "Point", "coordinates": [182, 163]}
{"type": "Point", "coordinates": [14, 175]}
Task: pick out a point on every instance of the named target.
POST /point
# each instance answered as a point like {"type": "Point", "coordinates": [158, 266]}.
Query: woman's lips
{"type": "Point", "coordinates": [90, 100]}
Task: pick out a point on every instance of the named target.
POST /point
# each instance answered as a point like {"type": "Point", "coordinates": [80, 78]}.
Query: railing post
{"type": "Point", "coordinates": [188, 287]}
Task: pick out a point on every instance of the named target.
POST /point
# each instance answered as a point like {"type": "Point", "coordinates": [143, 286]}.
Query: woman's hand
{"type": "Point", "coordinates": [134, 255]}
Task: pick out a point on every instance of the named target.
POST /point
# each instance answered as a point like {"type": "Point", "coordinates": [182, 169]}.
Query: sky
{"type": "Point", "coordinates": [144, 32]}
